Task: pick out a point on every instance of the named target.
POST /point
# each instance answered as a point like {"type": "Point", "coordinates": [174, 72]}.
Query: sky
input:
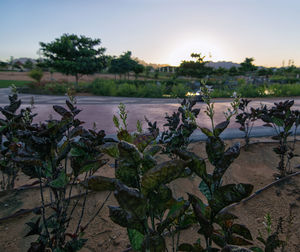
{"type": "Point", "coordinates": [159, 31]}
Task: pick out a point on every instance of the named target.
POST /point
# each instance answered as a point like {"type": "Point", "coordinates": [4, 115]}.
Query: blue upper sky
{"type": "Point", "coordinates": [159, 31]}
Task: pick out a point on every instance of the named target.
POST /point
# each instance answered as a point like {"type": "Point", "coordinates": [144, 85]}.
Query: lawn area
{"type": "Point", "coordinates": [17, 83]}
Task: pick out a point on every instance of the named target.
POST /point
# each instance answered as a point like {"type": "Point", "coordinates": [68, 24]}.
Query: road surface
{"type": "Point", "coordinates": [101, 110]}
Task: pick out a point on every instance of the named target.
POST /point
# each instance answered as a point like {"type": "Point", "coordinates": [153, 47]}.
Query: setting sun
{"type": "Point", "coordinates": [182, 51]}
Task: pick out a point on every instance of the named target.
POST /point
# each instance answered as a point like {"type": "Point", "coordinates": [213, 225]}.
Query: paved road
{"type": "Point", "coordinates": [101, 109]}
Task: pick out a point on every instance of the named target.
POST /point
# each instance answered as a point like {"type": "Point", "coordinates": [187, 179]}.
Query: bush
{"type": "Point", "coordinates": [127, 90]}
{"type": "Point", "coordinates": [104, 87]}
{"type": "Point", "coordinates": [179, 90]}
{"type": "Point", "coordinates": [36, 74]}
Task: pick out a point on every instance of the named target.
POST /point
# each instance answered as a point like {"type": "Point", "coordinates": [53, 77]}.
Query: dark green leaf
{"type": "Point", "coordinates": [214, 148]}
{"type": "Point", "coordinates": [206, 131]}
{"type": "Point", "coordinates": [228, 194]}
{"type": "Point", "coordinates": [256, 249]}
{"type": "Point", "coordinates": [241, 230]}
{"type": "Point", "coordinates": [99, 183]}
{"type": "Point", "coordinates": [136, 239]}
{"type": "Point", "coordinates": [130, 199]}
{"type": "Point", "coordinates": [62, 111]}
{"type": "Point", "coordinates": [126, 219]}
{"type": "Point", "coordinates": [162, 174]}
{"type": "Point", "coordinates": [220, 128]}
{"type": "Point", "coordinates": [203, 187]}
{"type": "Point", "coordinates": [60, 182]}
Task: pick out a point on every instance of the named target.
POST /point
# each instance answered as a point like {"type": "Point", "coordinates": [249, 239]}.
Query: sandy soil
{"type": "Point", "coordinates": [255, 166]}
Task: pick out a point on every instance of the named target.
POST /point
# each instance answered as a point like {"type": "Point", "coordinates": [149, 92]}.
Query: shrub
{"type": "Point", "coordinates": [36, 74]}
{"type": "Point", "coordinates": [104, 87]}
{"type": "Point", "coordinates": [179, 90]}
{"type": "Point", "coordinates": [10, 139]}
{"type": "Point", "coordinates": [282, 119]}
{"type": "Point", "coordinates": [127, 90]}
{"type": "Point", "coordinates": [61, 155]}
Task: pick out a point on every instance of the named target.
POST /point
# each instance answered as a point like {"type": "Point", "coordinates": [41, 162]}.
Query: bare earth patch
{"type": "Point", "coordinates": [255, 166]}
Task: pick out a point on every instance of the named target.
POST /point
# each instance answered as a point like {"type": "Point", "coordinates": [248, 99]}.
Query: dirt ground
{"type": "Point", "coordinates": [58, 77]}
{"type": "Point", "coordinates": [255, 166]}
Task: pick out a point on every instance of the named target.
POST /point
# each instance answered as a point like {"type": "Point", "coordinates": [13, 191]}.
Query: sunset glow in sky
{"type": "Point", "coordinates": [159, 31]}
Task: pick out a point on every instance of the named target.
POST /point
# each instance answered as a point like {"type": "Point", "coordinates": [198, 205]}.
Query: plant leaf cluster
{"type": "Point", "coordinates": [282, 119]}
{"type": "Point", "coordinates": [181, 125]}
{"type": "Point", "coordinates": [60, 154]}
{"type": "Point", "coordinates": [15, 119]}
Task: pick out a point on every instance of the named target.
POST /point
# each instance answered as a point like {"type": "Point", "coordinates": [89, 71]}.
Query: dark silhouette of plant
{"type": "Point", "coordinates": [216, 225]}
{"type": "Point", "coordinates": [246, 119]}
{"type": "Point", "coordinates": [60, 154]}
{"type": "Point", "coordinates": [282, 119]}
{"type": "Point", "coordinates": [9, 140]}
{"type": "Point", "coordinates": [146, 205]}
{"type": "Point", "coordinates": [195, 68]}
{"type": "Point", "coordinates": [181, 125]}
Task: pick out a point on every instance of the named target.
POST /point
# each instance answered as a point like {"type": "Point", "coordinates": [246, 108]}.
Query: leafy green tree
{"type": "Point", "coordinates": [221, 71]}
{"type": "Point", "coordinates": [138, 69]}
{"type": "Point", "coordinates": [247, 66]}
{"type": "Point", "coordinates": [28, 64]}
{"type": "Point", "coordinates": [233, 71]}
{"type": "Point", "coordinates": [74, 55]}
{"type": "Point", "coordinates": [194, 68]}
{"type": "Point", "coordinates": [123, 64]}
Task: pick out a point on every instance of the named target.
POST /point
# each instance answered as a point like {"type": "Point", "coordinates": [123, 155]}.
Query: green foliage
{"type": "Point", "coordinates": [60, 154]}
{"type": "Point", "coordinates": [179, 90]}
{"type": "Point", "coordinates": [246, 119]}
{"type": "Point", "coordinates": [247, 66]}
{"type": "Point", "coordinates": [273, 240]}
{"type": "Point", "coordinates": [36, 74]}
{"type": "Point", "coordinates": [125, 64]}
{"type": "Point", "coordinates": [146, 205]}
{"type": "Point", "coordinates": [74, 55]}
{"type": "Point", "coordinates": [282, 119]}
{"type": "Point", "coordinates": [194, 68]}
{"type": "Point", "coordinates": [8, 83]}
{"type": "Point", "coordinates": [10, 140]}
{"type": "Point", "coordinates": [181, 125]}
{"type": "Point", "coordinates": [28, 64]}
{"type": "Point", "coordinates": [216, 225]}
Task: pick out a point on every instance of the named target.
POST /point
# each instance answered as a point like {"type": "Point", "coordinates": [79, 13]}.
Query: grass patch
{"type": "Point", "coordinates": [8, 83]}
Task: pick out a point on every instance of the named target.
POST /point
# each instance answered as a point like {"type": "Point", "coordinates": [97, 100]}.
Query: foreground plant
{"type": "Point", "coordinates": [246, 119]}
{"type": "Point", "coordinates": [181, 125]}
{"type": "Point", "coordinates": [216, 224]}
{"type": "Point", "coordinates": [282, 119]}
{"type": "Point", "coordinates": [9, 140]}
{"type": "Point", "coordinates": [147, 207]}
{"type": "Point", "coordinates": [60, 154]}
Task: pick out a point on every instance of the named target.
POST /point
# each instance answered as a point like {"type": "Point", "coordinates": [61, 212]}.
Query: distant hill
{"type": "Point", "coordinates": [224, 64]}
{"type": "Point", "coordinates": [23, 60]}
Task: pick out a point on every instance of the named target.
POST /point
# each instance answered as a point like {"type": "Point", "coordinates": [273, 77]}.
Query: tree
{"type": "Point", "coordinates": [73, 55]}
{"type": "Point", "coordinates": [233, 71]}
{"type": "Point", "coordinates": [194, 68]}
{"type": "Point", "coordinates": [247, 66]}
{"type": "Point", "coordinates": [138, 68]}
{"type": "Point", "coordinates": [220, 71]}
{"type": "Point", "coordinates": [123, 64]}
{"type": "Point", "coordinates": [28, 64]}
